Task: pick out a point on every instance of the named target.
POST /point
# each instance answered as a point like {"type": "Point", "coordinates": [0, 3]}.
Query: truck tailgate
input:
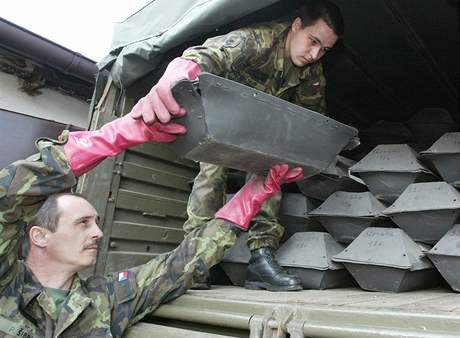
{"type": "Point", "coordinates": [320, 313]}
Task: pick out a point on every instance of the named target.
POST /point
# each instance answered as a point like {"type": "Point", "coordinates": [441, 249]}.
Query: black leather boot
{"type": "Point", "coordinates": [264, 272]}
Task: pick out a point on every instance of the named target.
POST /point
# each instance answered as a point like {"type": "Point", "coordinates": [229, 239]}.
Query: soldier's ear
{"type": "Point", "coordinates": [38, 236]}
{"type": "Point", "coordinates": [296, 24]}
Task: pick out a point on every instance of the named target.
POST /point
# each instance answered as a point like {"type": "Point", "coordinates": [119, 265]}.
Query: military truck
{"type": "Point", "coordinates": [394, 77]}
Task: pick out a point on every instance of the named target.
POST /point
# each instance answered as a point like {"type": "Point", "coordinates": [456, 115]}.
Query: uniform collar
{"type": "Point", "coordinates": [29, 285]}
{"type": "Point", "coordinates": [30, 288]}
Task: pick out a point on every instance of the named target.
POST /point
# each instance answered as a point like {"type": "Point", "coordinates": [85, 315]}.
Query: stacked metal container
{"type": "Point", "coordinates": [389, 245]}
{"type": "Point", "coordinates": [346, 214]}
{"type": "Point", "coordinates": [388, 169]}
{"type": "Point", "coordinates": [309, 256]}
{"type": "Point", "coordinates": [392, 173]}
{"type": "Point", "coordinates": [387, 259]}
{"type": "Point", "coordinates": [396, 259]}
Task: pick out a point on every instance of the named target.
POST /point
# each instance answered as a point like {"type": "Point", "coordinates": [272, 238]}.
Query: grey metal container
{"type": "Point", "coordinates": [445, 255]}
{"type": "Point", "coordinates": [386, 132]}
{"type": "Point", "coordinates": [426, 211]}
{"type": "Point", "coordinates": [334, 178]}
{"type": "Point", "coordinates": [444, 156]}
{"type": "Point", "coordinates": [429, 124]}
{"type": "Point", "coordinates": [239, 127]}
{"type": "Point", "coordinates": [236, 259]}
{"type": "Point", "coordinates": [388, 169]}
{"type": "Point", "coordinates": [293, 215]}
{"type": "Point", "coordinates": [308, 255]}
{"type": "Point", "coordinates": [345, 215]}
{"type": "Point", "coordinates": [387, 259]}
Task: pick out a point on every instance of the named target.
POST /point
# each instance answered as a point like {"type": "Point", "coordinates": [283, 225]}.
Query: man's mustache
{"type": "Point", "coordinates": [92, 245]}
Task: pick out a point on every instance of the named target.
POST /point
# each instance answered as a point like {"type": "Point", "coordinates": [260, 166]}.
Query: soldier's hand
{"type": "Point", "coordinates": [159, 104]}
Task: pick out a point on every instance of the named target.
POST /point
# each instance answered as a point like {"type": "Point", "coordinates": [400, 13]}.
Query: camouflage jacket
{"type": "Point", "coordinates": [101, 306]}
{"type": "Point", "coordinates": [254, 56]}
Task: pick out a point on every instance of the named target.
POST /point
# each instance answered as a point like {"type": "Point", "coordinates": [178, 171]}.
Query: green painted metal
{"type": "Point", "coordinates": [160, 164]}
{"type": "Point", "coordinates": [301, 319]}
{"type": "Point", "coordinates": [140, 232]}
{"type": "Point", "coordinates": [151, 205]}
{"type": "Point", "coordinates": [210, 312]}
{"type": "Point", "coordinates": [149, 175]}
{"type": "Point", "coordinates": [162, 151]}
{"type": "Point", "coordinates": [146, 330]}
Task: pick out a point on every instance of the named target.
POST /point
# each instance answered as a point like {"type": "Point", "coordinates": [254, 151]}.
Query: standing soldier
{"type": "Point", "coordinates": [281, 59]}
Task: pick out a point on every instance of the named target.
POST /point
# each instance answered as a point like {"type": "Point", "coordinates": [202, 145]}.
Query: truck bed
{"type": "Point", "coordinates": [331, 313]}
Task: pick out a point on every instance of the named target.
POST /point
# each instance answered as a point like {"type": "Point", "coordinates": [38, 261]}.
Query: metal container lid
{"type": "Point", "coordinates": [310, 250]}
{"type": "Point", "coordinates": [449, 244]}
{"type": "Point", "coordinates": [426, 196]}
{"type": "Point", "coordinates": [350, 204]}
{"type": "Point", "coordinates": [238, 253]}
{"type": "Point", "coordinates": [449, 143]}
{"type": "Point", "coordinates": [390, 247]}
{"type": "Point", "coordinates": [390, 158]}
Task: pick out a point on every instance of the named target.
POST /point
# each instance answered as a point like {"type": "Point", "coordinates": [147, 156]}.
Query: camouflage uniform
{"type": "Point", "coordinates": [253, 56]}
{"type": "Point", "coordinates": [101, 306]}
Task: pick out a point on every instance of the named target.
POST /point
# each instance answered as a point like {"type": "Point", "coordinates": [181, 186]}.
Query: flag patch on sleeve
{"type": "Point", "coordinates": [122, 276]}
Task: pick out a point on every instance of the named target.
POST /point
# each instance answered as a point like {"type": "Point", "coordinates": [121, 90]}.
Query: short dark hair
{"type": "Point", "coordinates": [313, 10]}
{"type": "Point", "coordinates": [48, 215]}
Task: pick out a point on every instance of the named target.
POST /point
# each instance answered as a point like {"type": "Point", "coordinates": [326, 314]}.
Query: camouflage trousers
{"type": "Point", "coordinates": [208, 196]}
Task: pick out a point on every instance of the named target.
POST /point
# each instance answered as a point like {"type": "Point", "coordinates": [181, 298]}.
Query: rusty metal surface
{"type": "Point", "coordinates": [242, 128]}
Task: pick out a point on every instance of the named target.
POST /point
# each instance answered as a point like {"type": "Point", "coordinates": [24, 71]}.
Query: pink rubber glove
{"type": "Point", "coordinates": [159, 104]}
{"type": "Point", "coordinates": [86, 149]}
{"type": "Point", "coordinates": [247, 202]}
